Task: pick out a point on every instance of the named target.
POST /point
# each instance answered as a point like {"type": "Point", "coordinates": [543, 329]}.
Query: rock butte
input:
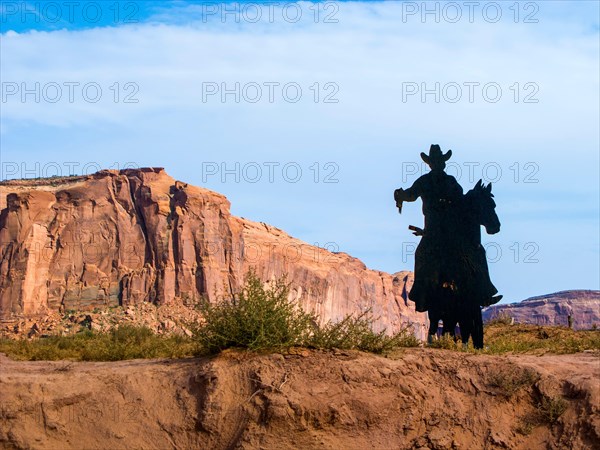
{"type": "Point", "coordinates": [138, 235]}
{"type": "Point", "coordinates": [553, 309]}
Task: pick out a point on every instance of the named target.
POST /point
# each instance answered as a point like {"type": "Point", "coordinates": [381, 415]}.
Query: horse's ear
{"type": "Point", "coordinates": [479, 184]}
{"type": "Point", "coordinates": [489, 188]}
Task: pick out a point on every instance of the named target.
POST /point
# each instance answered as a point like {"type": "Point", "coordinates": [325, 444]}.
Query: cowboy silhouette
{"type": "Point", "coordinates": [451, 274]}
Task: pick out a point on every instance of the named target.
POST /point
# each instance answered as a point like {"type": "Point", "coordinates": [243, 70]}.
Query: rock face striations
{"type": "Point", "coordinates": [125, 237]}
{"type": "Point", "coordinates": [553, 309]}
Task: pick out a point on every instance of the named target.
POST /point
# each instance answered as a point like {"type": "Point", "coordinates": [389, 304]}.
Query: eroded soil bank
{"type": "Point", "coordinates": [306, 399]}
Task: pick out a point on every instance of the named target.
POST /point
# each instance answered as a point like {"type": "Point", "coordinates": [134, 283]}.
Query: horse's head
{"type": "Point", "coordinates": [481, 202]}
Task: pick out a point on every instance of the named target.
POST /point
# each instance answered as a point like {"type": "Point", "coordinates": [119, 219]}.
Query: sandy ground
{"type": "Point", "coordinates": [418, 398]}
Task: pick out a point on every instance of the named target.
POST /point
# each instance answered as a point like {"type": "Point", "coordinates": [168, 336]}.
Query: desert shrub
{"type": "Point", "coordinates": [551, 408]}
{"type": "Point", "coordinates": [262, 318]}
{"type": "Point", "coordinates": [257, 318]}
{"type": "Point", "coordinates": [356, 332]}
{"type": "Point", "coordinates": [509, 381]}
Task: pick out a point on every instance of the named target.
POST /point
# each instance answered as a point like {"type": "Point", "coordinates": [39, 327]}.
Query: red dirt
{"type": "Point", "coordinates": [419, 398]}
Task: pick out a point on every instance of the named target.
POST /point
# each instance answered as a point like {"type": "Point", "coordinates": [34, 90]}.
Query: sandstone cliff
{"type": "Point", "coordinates": [138, 235]}
{"type": "Point", "coordinates": [553, 309]}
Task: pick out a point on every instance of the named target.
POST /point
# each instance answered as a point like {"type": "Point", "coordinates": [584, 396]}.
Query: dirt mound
{"type": "Point", "coordinates": [419, 398]}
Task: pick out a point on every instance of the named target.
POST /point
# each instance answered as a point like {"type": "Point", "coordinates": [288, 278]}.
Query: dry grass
{"type": "Point", "coordinates": [123, 342]}
{"type": "Point", "coordinates": [501, 338]}
{"type": "Point", "coordinates": [446, 342]}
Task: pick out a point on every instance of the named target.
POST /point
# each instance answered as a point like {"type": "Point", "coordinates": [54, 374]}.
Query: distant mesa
{"type": "Point", "coordinates": [553, 309]}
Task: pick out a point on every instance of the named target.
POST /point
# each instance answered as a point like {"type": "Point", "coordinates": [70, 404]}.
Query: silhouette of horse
{"type": "Point", "coordinates": [466, 284]}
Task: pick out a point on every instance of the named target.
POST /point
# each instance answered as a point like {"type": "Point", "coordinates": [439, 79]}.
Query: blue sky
{"type": "Point", "coordinates": [350, 94]}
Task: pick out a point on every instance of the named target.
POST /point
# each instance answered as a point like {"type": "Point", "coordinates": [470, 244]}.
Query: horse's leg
{"type": "Point", "coordinates": [477, 327]}
{"type": "Point", "coordinates": [466, 324]}
{"type": "Point", "coordinates": [434, 317]}
{"type": "Point", "coordinates": [456, 321]}
{"type": "Point", "coordinates": [450, 319]}
{"type": "Point", "coordinates": [445, 311]}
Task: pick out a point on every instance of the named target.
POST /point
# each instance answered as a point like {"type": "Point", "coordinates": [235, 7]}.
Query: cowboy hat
{"type": "Point", "coordinates": [435, 154]}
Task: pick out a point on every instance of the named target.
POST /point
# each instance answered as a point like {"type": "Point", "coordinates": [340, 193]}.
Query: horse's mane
{"type": "Point", "coordinates": [485, 191]}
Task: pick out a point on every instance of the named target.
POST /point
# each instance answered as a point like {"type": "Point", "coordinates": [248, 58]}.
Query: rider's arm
{"type": "Point", "coordinates": [410, 194]}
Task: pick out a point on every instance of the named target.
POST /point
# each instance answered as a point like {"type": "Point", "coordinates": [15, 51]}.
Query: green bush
{"type": "Point", "coordinates": [260, 318]}
{"type": "Point", "coordinates": [257, 318]}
